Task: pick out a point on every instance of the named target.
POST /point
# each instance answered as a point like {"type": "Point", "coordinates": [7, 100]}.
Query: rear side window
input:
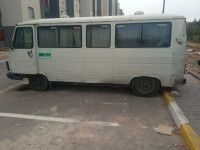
{"type": "Point", "coordinates": [48, 37]}
{"type": "Point", "coordinates": [156, 35]}
{"type": "Point", "coordinates": [127, 35]}
{"type": "Point", "coordinates": [59, 37]}
{"type": "Point", "coordinates": [143, 35]}
{"type": "Point", "coordinates": [23, 38]}
{"type": "Point", "coordinates": [98, 36]}
{"type": "Point", "coordinates": [70, 36]}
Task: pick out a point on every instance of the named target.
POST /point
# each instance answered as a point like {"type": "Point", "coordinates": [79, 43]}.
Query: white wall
{"type": "Point", "coordinates": [62, 7]}
{"type": "Point", "coordinates": [118, 7]}
{"type": "Point", "coordinates": [11, 12]}
{"type": "Point", "coordinates": [105, 7]}
{"type": "Point", "coordinates": [35, 4]}
{"type": "Point", "coordinates": [95, 8]}
{"type": "Point", "coordinates": [76, 8]}
{"type": "Point", "coordinates": [85, 8]}
{"type": "Point", "coordinates": [113, 7]}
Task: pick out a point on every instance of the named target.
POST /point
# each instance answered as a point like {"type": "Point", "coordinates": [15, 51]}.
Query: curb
{"type": "Point", "coordinates": [3, 55]}
{"type": "Point", "coordinates": [191, 138]}
{"type": "Point", "coordinates": [193, 74]}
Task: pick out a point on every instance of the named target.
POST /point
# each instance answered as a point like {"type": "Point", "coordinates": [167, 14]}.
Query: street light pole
{"type": "Point", "coordinates": [163, 11]}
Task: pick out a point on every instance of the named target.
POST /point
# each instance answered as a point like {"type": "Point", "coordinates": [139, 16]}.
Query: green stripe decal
{"type": "Point", "coordinates": [44, 54]}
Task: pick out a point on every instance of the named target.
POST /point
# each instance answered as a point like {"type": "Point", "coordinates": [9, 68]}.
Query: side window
{"type": "Point", "coordinates": [48, 37]}
{"type": "Point", "coordinates": [59, 37]}
{"type": "Point", "coordinates": [127, 35]}
{"type": "Point", "coordinates": [70, 36]}
{"type": "Point", "coordinates": [23, 38]}
{"type": "Point", "coordinates": [156, 35]}
{"type": "Point", "coordinates": [98, 36]}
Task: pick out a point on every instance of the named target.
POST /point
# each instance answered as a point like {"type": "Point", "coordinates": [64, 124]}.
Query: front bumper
{"type": "Point", "coordinates": [7, 66]}
{"type": "Point", "coordinates": [15, 76]}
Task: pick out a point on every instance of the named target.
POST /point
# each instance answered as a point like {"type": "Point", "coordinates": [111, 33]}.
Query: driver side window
{"type": "Point", "coordinates": [23, 38]}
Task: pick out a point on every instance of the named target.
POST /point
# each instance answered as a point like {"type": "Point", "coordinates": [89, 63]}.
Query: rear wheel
{"type": "Point", "coordinates": [38, 82]}
{"type": "Point", "coordinates": [145, 86]}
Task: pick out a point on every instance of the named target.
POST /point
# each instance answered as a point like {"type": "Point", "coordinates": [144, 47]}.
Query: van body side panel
{"type": "Point", "coordinates": [63, 65]}
{"type": "Point", "coordinates": [109, 64]}
{"type": "Point", "coordinates": [24, 60]}
{"type": "Point", "coordinates": [98, 57]}
{"type": "Point", "coordinates": [153, 62]}
{"type": "Point", "coordinates": [136, 62]}
{"type": "Point", "coordinates": [98, 65]}
{"type": "Point", "coordinates": [179, 51]}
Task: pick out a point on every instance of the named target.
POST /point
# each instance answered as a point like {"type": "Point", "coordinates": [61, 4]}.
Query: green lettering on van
{"type": "Point", "coordinates": [44, 54]}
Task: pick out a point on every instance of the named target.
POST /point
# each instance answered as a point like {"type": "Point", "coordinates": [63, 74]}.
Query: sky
{"type": "Point", "coordinates": [188, 8]}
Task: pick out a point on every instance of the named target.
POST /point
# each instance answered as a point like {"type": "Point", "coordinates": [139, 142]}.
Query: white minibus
{"type": "Point", "coordinates": [145, 52]}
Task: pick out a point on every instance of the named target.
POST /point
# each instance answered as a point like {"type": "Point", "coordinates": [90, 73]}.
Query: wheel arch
{"type": "Point", "coordinates": [155, 77]}
{"type": "Point", "coordinates": [38, 82]}
{"type": "Point", "coordinates": [28, 75]}
{"type": "Point", "coordinates": [153, 85]}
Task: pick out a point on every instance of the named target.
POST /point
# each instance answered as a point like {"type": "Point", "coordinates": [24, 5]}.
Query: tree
{"type": "Point", "coordinates": [193, 31]}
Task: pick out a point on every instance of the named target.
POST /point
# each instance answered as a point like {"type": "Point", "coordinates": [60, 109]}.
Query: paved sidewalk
{"type": "Point", "coordinates": [189, 101]}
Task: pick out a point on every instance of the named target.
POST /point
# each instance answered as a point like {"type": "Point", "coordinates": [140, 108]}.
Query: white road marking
{"type": "Point", "coordinates": [4, 70]}
{"type": "Point", "coordinates": [106, 103]}
{"type": "Point", "coordinates": [43, 118]}
{"type": "Point", "coordinates": [101, 123]}
{"type": "Point", "coordinates": [56, 119]}
{"type": "Point", "coordinates": [13, 86]}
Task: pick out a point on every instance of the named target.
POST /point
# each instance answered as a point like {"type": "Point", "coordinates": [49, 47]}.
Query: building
{"type": "Point", "coordinates": [13, 12]}
{"type": "Point", "coordinates": [73, 8]}
{"type": "Point", "coordinates": [121, 12]}
{"type": "Point", "coordinates": [105, 7]}
{"type": "Point", "coordinates": [45, 9]}
{"type": "Point", "coordinates": [86, 8]}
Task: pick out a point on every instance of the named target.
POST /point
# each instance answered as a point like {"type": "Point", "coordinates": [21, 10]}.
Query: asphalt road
{"type": "Point", "coordinates": [81, 117]}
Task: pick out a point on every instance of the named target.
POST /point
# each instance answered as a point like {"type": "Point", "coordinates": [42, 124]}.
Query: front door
{"type": "Point", "coordinates": [23, 57]}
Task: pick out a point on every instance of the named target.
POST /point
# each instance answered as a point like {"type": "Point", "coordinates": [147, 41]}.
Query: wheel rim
{"type": "Point", "coordinates": [145, 84]}
{"type": "Point", "coordinates": [38, 82]}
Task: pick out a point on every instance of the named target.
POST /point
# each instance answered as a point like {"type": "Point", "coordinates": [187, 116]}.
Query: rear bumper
{"type": "Point", "coordinates": [15, 76]}
{"type": "Point", "coordinates": [184, 81]}
{"type": "Point", "coordinates": [179, 81]}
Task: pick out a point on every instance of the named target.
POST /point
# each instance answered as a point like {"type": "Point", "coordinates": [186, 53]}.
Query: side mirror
{"type": "Point", "coordinates": [11, 45]}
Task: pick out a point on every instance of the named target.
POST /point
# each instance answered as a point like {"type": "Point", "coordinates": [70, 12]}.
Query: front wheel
{"type": "Point", "coordinates": [38, 82]}
{"type": "Point", "coordinates": [145, 86]}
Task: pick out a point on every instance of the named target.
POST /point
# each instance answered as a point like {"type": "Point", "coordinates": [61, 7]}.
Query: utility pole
{"type": "Point", "coordinates": [163, 11]}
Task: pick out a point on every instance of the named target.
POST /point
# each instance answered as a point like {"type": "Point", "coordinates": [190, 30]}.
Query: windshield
{"type": "Point", "coordinates": [23, 38]}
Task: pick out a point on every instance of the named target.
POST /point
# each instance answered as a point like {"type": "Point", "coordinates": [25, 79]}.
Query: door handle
{"type": "Point", "coordinates": [30, 53]}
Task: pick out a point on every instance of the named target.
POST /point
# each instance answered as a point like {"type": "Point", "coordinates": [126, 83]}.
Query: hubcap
{"type": "Point", "coordinates": [38, 81]}
{"type": "Point", "coordinates": [145, 84]}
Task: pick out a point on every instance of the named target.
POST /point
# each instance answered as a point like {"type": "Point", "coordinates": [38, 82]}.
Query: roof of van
{"type": "Point", "coordinates": [102, 19]}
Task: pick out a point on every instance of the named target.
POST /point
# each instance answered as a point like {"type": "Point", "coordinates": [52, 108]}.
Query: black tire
{"type": "Point", "coordinates": [38, 82]}
{"type": "Point", "coordinates": [145, 86]}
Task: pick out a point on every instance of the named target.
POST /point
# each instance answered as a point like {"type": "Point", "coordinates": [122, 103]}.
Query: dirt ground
{"type": "Point", "coordinates": [192, 58]}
